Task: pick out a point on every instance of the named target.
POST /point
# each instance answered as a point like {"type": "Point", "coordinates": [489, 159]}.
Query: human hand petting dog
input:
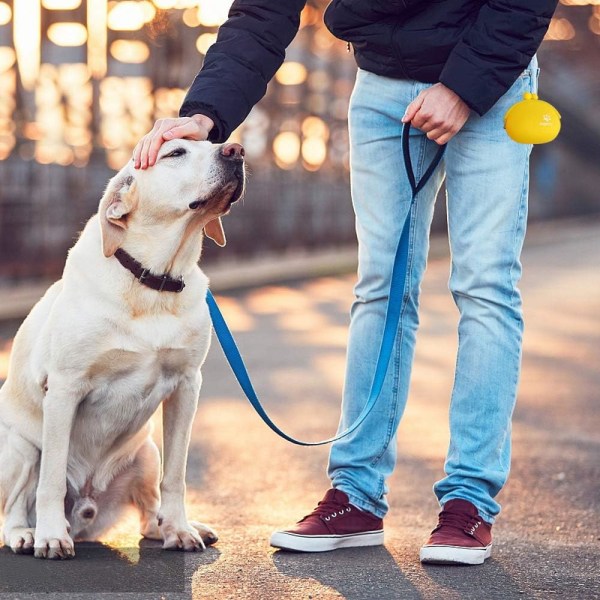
{"type": "Point", "coordinates": [196, 127]}
{"type": "Point", "coordinates": [439, 112]}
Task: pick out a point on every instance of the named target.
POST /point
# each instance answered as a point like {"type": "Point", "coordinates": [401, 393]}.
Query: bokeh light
{"type": "Point", "coordinates": [5, 13]}
{"type": "Point", "coordinates": [560, 30]}
{"type": "Point", "coordinates": [291, 73]}
{"type": "Point", "coordinates": [191, 18]}
{"type": "Point", "coordinates": [130, 51]}
{"type": "Point", "coordinates": [314, 152]}
{"type": "Point", "coordinates": [205, 41]}
{"type": "Point", "coordinates": [67, 34]}
{"type": "Point", "coordinates": [286, 148]}
{"type": "Point", "coordinates": [130, 15]}
{"type": "Point", "coordinates": [61, 4]}
{"type": "Point", "coordinates": [7, 58]}
{"type": "Point", "coordinates": [213, 13]}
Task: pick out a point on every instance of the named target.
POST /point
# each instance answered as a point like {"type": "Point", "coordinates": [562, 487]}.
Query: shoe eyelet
{"type": "Point", "coordinates": [349, 509]}
{"type": "Point", "coordinates": [334, 514]}
{"type": "Point", "coordinates": [327, 518]}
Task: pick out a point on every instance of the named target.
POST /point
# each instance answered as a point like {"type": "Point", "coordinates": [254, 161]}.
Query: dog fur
{"type": "Point", "coordinates": [100, 352]}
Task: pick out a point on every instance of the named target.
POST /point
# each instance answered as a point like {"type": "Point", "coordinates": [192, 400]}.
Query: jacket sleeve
{"type": "Point", "coordinates": [496, 49]}
{"type": "Point", "coordinates": [250, 47]}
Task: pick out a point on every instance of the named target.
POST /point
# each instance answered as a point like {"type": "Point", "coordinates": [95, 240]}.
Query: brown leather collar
{"type": "Point", "coordinates": [160, 283]}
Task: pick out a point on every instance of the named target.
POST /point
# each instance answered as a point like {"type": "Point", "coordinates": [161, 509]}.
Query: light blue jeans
{"type": "Point", "coordinates": [487, 178]}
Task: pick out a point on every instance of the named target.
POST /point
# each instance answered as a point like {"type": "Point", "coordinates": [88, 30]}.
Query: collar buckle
{"type": "Point", "coordinates": [143, 275]}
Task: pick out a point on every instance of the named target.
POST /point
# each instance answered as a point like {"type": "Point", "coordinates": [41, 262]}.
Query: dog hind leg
{"type": "Point", "coordinates": [136, 486]}
{"type": "Point", "coordinates": [145, 492]}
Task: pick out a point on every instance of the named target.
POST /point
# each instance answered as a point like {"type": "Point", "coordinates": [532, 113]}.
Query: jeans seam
{"type": "Point", "coordinates": [520, 212]}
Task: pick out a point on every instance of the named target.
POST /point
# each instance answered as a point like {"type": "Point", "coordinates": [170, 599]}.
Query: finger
{"type": "Point", "coordinates": [144, 143]}
{"type": "Point", "coordinates": [190, 130]}
{"type": "Point", "coordinates": [155, 144]}
{"type": "Point", "coordinates": [413, 108]}
{"type": "Point", "coordinates": [138, 152]}
{"type": "Point", "coordinates": [158, 139]}
{"type": "Point", "coordinates": [436, 133]}
{"type": "Point", "coordinates": [423, 121]}
{"type": "Point", "coordinates": [445, 138]}
{"type": "Point", "coordinates": [147, 140]}
{"type": "Point", "coordinates": [136, 155]}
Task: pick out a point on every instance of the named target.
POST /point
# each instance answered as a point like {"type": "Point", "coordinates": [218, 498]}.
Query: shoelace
{"type": "Point", "coordinates": [328, 510]}
{"type": "Point", "coordinates": [460, 521]}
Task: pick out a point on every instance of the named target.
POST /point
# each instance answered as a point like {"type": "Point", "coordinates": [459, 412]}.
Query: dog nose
{"type": "Point", "coordinates": [233, 151]}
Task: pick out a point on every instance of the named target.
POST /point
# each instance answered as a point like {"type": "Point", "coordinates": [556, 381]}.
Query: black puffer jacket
{"type": "Point", "coordinates": [475, 47]}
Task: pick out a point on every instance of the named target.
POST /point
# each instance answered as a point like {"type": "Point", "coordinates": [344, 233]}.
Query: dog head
{"type": "Point", "coordinates": [190, 181]}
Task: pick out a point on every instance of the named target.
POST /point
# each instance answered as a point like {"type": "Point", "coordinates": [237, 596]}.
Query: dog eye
{"type": "Point", "coordinates": [176, 152]}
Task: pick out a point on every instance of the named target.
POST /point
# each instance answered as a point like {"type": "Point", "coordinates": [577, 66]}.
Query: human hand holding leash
{"type": "Point", "coordinates": [196, 127]}
{"type": "Point", "coordinates": [439, 112]}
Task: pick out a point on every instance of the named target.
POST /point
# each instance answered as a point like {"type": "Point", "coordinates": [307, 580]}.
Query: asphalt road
{"type": "Point", "coordinates": [246, 482]}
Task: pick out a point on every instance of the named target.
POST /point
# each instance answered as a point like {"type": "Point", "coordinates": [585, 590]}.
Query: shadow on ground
{"type": "Point", "coordinates": [376, 573]}
{"type": "Point", "coordinates": [101, 569]}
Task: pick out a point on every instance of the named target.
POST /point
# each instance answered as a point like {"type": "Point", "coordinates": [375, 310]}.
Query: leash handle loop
{"type": "Point", "coordinates": [392, 318]}
{"type": "Point", "coordinates": [417, 187]}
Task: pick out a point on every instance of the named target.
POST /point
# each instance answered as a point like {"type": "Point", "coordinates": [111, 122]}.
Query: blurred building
{"type": "Point", "coordinates": [80, 82]}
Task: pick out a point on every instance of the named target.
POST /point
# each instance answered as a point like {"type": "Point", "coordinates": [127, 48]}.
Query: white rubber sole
{"type": "Point", "coordinates": [454, 555]}
{"type": "Point", "coordinates": [324, 543]}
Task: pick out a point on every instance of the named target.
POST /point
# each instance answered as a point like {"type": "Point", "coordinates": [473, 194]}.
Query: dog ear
{"type": "Point", "coordinates": [214, 230]}
{"type": "Point", "coordinates": [118, 201]}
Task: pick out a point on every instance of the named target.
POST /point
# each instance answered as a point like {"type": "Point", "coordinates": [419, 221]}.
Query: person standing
{"type": "Point", "coordinates": [450, 68]}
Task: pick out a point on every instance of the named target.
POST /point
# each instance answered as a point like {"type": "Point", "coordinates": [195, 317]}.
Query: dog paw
{"type": "Point", "coordinates": [21, 540]}
{"type": "Point", "coordinates": [208, 535]}
{"type": "Point", "coordinates": [189, 538]}
{"type": "Point", "coordinates": [54, 547]}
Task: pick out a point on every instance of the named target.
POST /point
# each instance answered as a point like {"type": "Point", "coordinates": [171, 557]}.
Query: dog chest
{"type": "Point", "coordinates": [127, 387]}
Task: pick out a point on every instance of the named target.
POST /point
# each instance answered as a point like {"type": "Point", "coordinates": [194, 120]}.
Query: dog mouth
{"type": "Point", "coordinates": [239, 188]}
{"type": "Point", "coordinates": [227, 195]}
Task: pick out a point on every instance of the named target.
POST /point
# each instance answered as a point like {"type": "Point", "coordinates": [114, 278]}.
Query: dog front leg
{"type": "Point", "coordinates": [178, 416]}
{"type": "Point", "coordinates": [52, 539]}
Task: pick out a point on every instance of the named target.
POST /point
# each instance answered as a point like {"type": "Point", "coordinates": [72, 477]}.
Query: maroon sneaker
{"type": "Point", "coordinates": [335, 523]}
{"type": "Point", "coordinates": [462, 537]}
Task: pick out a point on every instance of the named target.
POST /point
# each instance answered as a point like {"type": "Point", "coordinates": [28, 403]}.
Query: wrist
{"type": "Point", "coordinates": [204, 121]}
{"type": "Point", "coordinates": [453, 94]}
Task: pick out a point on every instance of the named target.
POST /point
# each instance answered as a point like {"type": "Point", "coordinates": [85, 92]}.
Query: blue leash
{"type": "Point", "coordinates": [392, 318]}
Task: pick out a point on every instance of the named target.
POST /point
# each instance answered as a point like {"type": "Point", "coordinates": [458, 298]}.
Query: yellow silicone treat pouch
{"type": "Point", "coordinates": [532, 121]}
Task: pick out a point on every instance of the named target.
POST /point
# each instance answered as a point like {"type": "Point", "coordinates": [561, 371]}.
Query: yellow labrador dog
{"type": "Point", "coordinates": [125, 329]}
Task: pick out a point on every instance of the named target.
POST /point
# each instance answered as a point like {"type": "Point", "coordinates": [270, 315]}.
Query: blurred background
{"type": "Point", "coordinates": [81, 81]}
